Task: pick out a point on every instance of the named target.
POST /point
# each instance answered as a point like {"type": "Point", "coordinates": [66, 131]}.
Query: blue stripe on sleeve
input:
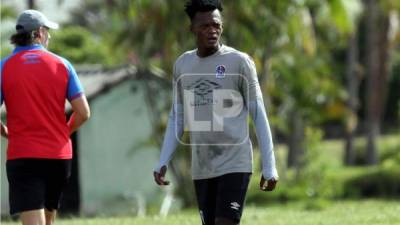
{"type": "Point", "coordinates": [75, 88]}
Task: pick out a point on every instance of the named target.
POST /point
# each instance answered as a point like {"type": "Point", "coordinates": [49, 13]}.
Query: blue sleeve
{"type": "Point", "coordinates": [172, 134]}
{"type": "Point", "coordinates": [264, 137]}
{"type": "Point", "coordinates": [74, 89]}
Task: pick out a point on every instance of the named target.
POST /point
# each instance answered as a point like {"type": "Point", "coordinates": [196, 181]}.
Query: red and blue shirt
{"type": "Point", "coordinates": [35, 84]}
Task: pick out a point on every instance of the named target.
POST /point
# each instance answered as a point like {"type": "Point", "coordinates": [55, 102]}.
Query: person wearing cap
{"type": "Point", "coordinates": [35, 84]}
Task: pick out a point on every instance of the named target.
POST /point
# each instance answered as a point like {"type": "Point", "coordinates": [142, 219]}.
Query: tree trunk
{"type": "Point", "coordinates": [353, 81]}
{"type": "Point", "coordinates": [31, 4]}
{"type": "Point", "coordinates": [377, 74]}
{"type": "Point", "coordinates": [295, 145]}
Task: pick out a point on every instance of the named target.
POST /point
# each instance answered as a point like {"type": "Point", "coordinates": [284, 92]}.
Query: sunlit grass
{"type": "Point", "coordinates": [367, 212]}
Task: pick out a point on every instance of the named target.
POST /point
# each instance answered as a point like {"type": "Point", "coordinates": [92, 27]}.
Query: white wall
{"type": "Point", "coordinates": [116, 159]}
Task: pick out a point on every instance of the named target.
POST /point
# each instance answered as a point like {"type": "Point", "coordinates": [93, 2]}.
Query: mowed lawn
{"type": "Point", "coordinates": [366, 212]}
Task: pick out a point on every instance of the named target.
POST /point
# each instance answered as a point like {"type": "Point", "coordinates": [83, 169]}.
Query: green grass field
{"type": "Point", "coordinates": [366, 212]}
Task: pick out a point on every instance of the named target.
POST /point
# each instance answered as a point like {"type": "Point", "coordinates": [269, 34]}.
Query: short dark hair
{"type": "Point", "coordinates": [23, 38]}
{"type": "Point", "coordinates": [194, 6]}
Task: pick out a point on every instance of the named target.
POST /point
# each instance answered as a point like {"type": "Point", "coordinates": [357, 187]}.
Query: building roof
{"type": "Point", "coordinates": [96, 79]}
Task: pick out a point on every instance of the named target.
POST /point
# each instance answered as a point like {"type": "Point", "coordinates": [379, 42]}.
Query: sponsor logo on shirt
{"type": "Point", "coordinates": [202, 88]}
{"type": "Point", "coordinates": [31, 58]}
{"type": "Point", "coordinates": [220, 71]}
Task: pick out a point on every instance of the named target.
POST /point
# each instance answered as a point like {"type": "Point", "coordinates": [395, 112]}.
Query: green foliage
{"type": "Point", "coordinates": [313, 174]}
{"type": "Point", "coordinates": [78, 45]}
{"type": "Point", "coordinates": [5, 51]}
{"type": "Point", "coordinates": [144, 31]}
{"type": "Point", "coordinates": [344, 14]}
{"type": "Point", "coordinates": [324, 178]}
{"type": "Point", "coordinates": [389, 153]}
{"type": "Point", "coordinates": [7, 11]}
{"type": "Point", "coordinates": [390, 156]}
{"type": "Point", "coordinates": [374, 182]}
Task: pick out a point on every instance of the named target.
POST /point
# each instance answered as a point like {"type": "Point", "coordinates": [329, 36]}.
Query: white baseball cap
{"type": "Point", "coordinates": [30, 20]}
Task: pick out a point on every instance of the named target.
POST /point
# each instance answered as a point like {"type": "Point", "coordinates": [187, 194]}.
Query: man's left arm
{"type": "Point", "coordinates": [264, 137]}
{"type": "Point", "coordinates": [254, 99]}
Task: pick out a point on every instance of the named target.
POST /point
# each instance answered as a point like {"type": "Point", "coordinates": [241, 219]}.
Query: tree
{"type": "Point", "coordinates": [377, 71]}
{"type": "Point", "coordinates": [353, 81]}
{"type": "Point", "coordinates": [353, 78]}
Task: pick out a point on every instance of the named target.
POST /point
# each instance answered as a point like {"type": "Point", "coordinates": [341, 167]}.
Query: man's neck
{"type": "Point", "coordinates": [207, 51]}
{"type": "Point", "coordinates": [38, 42]}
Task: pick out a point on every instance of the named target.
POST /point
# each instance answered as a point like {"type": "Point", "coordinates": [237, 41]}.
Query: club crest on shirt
{"type": "Point", "coordinates": [220, 71]}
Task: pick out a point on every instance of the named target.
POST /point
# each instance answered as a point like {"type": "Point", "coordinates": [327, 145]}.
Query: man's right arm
{"type": "Point", "coordinates": [81, 113]}
{"type": "Point", "coordinates": [77, 99]}
{"type": "Point", "coordinates": [173, 132]}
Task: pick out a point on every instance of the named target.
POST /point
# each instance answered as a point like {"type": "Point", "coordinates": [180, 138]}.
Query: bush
{"type": "Point", "coordinates": [78, 45]}
{"type": "Point", "coordinates": [312, 183]}
{"type": "Point", "coordinates": [322, 178]}
{"type": "Point", "coordinates": [391, 152]}
{"type": "Point", "coordinates": [375, 182]}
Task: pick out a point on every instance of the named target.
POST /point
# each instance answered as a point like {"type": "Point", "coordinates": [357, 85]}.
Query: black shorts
{"type": "Point", "coordinates": [222, 197]}
{"type": "Point", "coordinates": [36, 183]}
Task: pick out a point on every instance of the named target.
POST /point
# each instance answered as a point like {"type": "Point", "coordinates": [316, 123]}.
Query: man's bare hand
{"type": "Point", "coordinates": [159, 178]}
{"type": "Point", "coordinates": [271, 183]}
{"type": "Point", "coordinates": [4, 131]}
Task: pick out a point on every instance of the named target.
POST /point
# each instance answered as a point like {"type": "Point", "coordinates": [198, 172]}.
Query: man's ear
{"type": "Point", "coordinates": [36, 34]}
{"type": "Point", "coordinates": [39, 33]}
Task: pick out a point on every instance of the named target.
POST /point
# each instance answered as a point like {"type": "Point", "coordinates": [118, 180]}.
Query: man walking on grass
{"type": "Point", "coordinates": [215, 87]}
{"type": "Point", "coordinates": [34, 86]}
